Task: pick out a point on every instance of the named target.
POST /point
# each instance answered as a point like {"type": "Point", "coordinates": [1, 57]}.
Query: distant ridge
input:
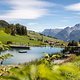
{"type": "Point", "coordinates": [66, 34]}
{"type": "Point", "coordinates": [51, 32]}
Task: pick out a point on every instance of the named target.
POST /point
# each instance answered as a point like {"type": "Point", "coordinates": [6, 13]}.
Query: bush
{"type": "Point", "coordinates": [9, 42]}
{"type": "Point", "coordinates": [72, 50]}
{"type": "Point", "coordinates": [73, 43]}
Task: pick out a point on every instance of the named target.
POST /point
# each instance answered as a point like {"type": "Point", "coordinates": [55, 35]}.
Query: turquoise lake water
{"type": "Point", "coordinates": [32, 54]}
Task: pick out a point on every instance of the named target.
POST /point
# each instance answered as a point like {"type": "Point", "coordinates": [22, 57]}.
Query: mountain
{"type": "Point", "coordinates": [66, 34]}
{"type": "Point", "coordinates": [63, 34]}
{"type": "Point", "coordinates": [74, 35]}
{"type": "Point", "coordinates": [69, 33]}
{"type": "Point", "coordinates": [51, 32]}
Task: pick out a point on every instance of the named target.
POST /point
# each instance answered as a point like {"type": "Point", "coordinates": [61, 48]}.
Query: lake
{"type": "Point", "coordinates": [32, 54]}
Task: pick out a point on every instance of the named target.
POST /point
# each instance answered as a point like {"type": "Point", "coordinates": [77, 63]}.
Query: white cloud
{"type": "Point", "coordinates": [32, 23]}
{"type": "Point", "coordinates": [27, 9]}
{"type": "Point", "coordinates": [25, 14]}
{"type": "Point", "coordinates": [73, 7]}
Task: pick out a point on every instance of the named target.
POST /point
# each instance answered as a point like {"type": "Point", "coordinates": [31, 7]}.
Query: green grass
{"type": "Point", "coordinates": [39, 70]}
{"type": "Point", "coordinates": [26, 39]}
{"type": "Point", "coordinates": [16, 39]}
{"type": "Point", "coordinates": [6, 56]}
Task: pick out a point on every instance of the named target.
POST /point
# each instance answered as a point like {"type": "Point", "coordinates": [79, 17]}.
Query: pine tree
{"type": "Point", "coordinates": [13, 30]}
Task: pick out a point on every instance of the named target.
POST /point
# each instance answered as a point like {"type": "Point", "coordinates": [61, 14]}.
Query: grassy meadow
{"type": "Point", "coordinates": [33, 39]}
{"type": "Point", "coordinates": [42, 70]}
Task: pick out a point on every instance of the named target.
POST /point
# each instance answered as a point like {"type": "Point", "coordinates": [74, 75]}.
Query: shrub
{"type": "Point", "coordinates": [9, 42]}
{"type": "Point", "coordinates": [73, 43]}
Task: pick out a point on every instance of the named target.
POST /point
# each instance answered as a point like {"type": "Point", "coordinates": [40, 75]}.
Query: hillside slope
{"type": "Point", "coordinates": [33, 39]}
{"type": "Point", "coordinates": [18, 34]}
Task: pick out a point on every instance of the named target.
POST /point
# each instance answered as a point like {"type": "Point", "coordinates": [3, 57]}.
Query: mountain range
{"type": "Point", "coordinates": [66, 34]}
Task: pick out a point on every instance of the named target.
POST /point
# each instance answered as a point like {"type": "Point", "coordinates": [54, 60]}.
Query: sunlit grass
{"type": "Point", "coordinates": [39, 70]}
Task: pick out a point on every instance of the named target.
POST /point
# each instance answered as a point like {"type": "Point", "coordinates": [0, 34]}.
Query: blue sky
{"type": "Point", "coordinates": [38, 15]}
